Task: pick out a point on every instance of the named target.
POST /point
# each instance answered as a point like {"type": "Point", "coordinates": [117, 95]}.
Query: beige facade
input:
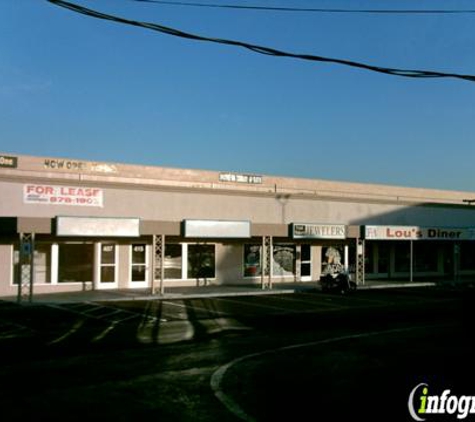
{"type": "Point", "coordinates": [39, 195]}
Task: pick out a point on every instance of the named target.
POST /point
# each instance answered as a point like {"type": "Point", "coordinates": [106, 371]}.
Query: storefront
{"type": "Point", "coordinates": [68, 225]}
{"type": "Point", "coordinates": [85, 253]}
{"type": "Point", "coordinates": [411, 252]}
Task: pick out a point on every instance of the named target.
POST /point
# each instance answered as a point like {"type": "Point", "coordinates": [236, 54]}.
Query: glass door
{"type": "Point", "coordinates": [107, 277]}
{"type": "Point", "coordinates": [139, 266]}
{"type": "Point", "coordinates": [305, 262]}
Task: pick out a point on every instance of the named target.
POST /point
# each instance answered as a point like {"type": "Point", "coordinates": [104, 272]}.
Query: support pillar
{"type": "Point", "coordinates": [26, 267]}
{"type": "Point", "coordinates": [360, 253]}
{"type": "Point", "coordinates": [158, 267]}
{"type": "Point", "coordinates": [266, 272]}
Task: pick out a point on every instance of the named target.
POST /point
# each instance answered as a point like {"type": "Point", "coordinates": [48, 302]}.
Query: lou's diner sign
{"type": "Point", "coordinates": [418, 233]}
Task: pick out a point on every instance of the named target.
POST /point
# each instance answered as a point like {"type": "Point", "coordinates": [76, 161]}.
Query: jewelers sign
{"type": "Point", "coordinates": [63, 195]}
{"type": "Point", "coordinates": [318, 231]}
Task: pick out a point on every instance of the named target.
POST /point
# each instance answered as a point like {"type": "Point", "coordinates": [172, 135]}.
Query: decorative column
{"type": "Point", "coordinates": [158, 267]}
{"type": "Point", "coordinates": [266, 271]}
{"type": "Point", "coordinates": [26, 267]}
{"type": "Point", "coordinates": [360, 270]}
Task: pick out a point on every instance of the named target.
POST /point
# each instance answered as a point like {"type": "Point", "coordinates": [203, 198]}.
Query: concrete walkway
{"type": "Point", "coordinates": [191, 292]}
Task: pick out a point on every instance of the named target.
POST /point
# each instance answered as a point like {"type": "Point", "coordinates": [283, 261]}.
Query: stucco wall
{"type": "Point", "coordinates": [6, 269]}
{"type": "Point", "coordinates": [176, 206]}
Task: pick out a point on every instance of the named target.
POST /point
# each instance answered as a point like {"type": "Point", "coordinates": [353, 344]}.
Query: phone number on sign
{"type": "Point", "coordinates": [74, 200]}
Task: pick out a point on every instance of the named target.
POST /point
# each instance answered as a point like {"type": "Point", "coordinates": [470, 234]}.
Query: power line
{"type": "Point", "coordinates": [310, 9]}
{"type": "Point", "coordinates": [260, 49]}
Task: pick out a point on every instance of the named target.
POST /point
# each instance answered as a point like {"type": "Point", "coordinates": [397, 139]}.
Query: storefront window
{"type": "Point", "coordinates": [252, 260]}
{"type": "Point", "coordinates": [447, 254]}
{"type": "Point", "coordinates": [369, 258]}
{"type": "Point", "coordinates": [283, 260]}
{"type": "Point", "coordinates": [173, 259]}
{"type": "Point", "coordinates": [201, 261]}
{"type": "Point", "coordinates": [425, 257]}
{"type": "Point", "coordinates": [467, 256]}
{"type": "Point", "coordinates": [75, 263]}
{"type": "Point", "coordinates": [402, 256]}
{"type": "Point", "coordinates": [384, 253]}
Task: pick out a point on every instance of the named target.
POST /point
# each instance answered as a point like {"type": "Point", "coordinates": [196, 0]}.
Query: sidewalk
{"type": "Point", "coordinates": [188, 292]}
{"type": "Point", "coordinates": [192, 292]}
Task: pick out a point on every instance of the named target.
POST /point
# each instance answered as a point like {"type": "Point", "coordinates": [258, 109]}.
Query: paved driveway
{"type": "Point", "coordinates": [235, 358]}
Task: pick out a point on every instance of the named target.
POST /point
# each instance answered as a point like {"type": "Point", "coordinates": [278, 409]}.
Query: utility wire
{"type": "Point", "coordinates": [309, 9]}
{"type": "Point", "coordinates": [259, 49]}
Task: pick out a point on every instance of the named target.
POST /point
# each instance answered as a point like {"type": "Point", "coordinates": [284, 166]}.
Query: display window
{"type": "Point", "coordinates": [75, 263]}
{"type": "Point", "coordinates": [467, 256]}
{"type": "Point", "coordinates": [173, 261]}
{"type": "Point", "coordinates": [283, 260]}
{"type": "Point", "coordinates": [252, 260]}
{"type": "Point", "coordinates": [201, 261]}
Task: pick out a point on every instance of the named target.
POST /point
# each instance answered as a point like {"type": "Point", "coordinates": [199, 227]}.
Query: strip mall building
{"type": "Point", "coordinates": [69, 225]}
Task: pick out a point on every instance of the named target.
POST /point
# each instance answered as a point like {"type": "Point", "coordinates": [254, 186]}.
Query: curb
{"type": "Point", "coordinates": [217, 294]}
{"type": "Point", "coordinates": [395, 286]}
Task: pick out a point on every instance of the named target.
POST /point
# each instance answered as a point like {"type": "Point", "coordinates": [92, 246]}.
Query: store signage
{"type": "Point", "coordinates": [63, 195]}
{"type": "Point", "coordinates": [240, 178]}
{"type": "Point", "coordinates": [318, 231]}
{"type": "Point", "coordinates": [79, 166]}
{"type": "Point", "coordinates": [217, 229]}
{"type": "Point", "coordinates": [419, 233]}
{"type": "Point", "coordinates": [9, 162]}
{"type": "Point", "coordinates": [97, 226]}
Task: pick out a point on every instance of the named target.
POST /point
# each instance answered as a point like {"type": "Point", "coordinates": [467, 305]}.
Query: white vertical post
{"type": "Point", "coordinates": [263, 262]}
{"type": "Point", "coordinates": [184, 261]}
{"type": "Point", "coordinates": [97, 266]}
{"type": "Point", "coordinates": [269, 259]}
{"type": "Point", "coordinates": [54, 263]}
{"type": "Point", "coordinates": [162, 266]}
{"type": "Point", "coordinates": [346, 260]}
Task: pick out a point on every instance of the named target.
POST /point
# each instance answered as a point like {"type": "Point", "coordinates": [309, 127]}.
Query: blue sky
{"type": "Point", "coordinates": [74, 86]}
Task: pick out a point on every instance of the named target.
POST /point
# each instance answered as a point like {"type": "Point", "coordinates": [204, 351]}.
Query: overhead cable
{"type": "Point", "coordinates": [309, 9]}
{"type": "Point", "coordinates": [260, 49]}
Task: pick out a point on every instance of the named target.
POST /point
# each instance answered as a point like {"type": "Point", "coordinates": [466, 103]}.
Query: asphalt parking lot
{"type": "Point", "coordinates": [289, 356]}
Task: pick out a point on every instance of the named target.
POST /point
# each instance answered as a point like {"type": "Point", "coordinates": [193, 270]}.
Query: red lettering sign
{"type": "Point", "coordinates": [62, 195]}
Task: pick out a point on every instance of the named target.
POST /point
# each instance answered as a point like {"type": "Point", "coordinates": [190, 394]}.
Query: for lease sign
{"type": "Point", "coordinates": [63, 195]}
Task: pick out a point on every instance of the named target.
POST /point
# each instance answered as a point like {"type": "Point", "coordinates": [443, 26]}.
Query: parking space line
{"type": "Point", "coordinates": [257, 305]}
{"type": "Point", "coordinates": [318, 302]}
{"type": "Point", "coordinates": [93, 312]}
{"type": "Point", "coordinates": [12, 330]}
{"type": "Point", "coordinates": [69, 333]}
{"type": "Point", "coordinates": [199, 308]}
{"type": "Point", "coordinates": [104, 333]}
